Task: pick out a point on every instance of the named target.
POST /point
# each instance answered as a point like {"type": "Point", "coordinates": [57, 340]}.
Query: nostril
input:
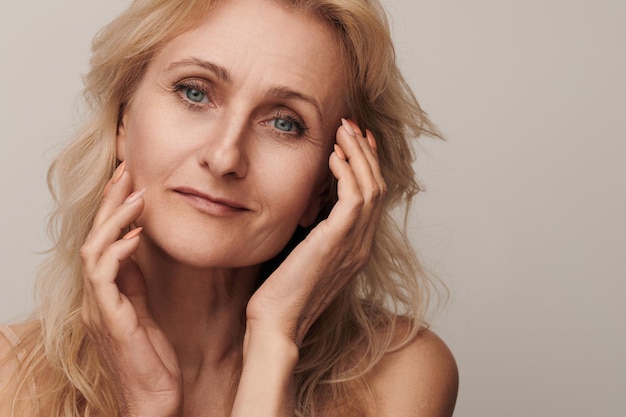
{"type": "Point", "coordinates": [225, 162]}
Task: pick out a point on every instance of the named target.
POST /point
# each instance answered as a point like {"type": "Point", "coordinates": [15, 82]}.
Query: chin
{"type": "Point", "coordinates": [205, 252]}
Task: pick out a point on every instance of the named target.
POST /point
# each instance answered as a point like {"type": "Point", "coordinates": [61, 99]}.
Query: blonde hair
{"type": "Point", "coordinates": [365, 316]}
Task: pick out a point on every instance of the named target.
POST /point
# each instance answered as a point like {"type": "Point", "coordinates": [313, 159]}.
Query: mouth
{"type": "Point", "coordinates": [210, 204]}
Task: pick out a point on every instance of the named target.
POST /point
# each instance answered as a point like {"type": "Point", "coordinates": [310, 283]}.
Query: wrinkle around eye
{"type": "Point", "coordinates": [282, 120]}
{"type": "Point", "coordinates": [194, 93]}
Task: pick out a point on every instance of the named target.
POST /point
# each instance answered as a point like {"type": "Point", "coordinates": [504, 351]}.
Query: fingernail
{"type": "Point", "coordinates": [133, 233]}
{"type": "Point", "coordinates": [339, 152]}
{"type": "Point", "coordinates": [370, 139]}
{"type": "Point", "coordinates": [347, 126]}
{"type": "Point", "coordinates": [118, 172]}
{"type": "Point", "coordinates": [134, 196]}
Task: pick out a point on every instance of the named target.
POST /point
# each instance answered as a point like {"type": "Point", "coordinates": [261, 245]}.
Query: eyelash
{"type": "Point", "coordinates": [192, 84]}
{"type": "Point", "coordinates": [301, 128]}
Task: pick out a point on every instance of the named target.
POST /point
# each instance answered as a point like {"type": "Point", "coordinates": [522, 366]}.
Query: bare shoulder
{"type": "Point", "coordinates": [9, 362]}
{"type": "Point", "coordinates": [8, 368]}
{"type": "Point", "coordinates": [419, 380]}
{"type": "Point", "coordinates": [9, 337]}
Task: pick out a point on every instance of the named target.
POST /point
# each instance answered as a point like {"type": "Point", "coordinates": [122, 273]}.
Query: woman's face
{"type": "Point", "coordinates": [230, 133]}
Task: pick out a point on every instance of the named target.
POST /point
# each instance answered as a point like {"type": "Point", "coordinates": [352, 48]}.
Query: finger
{"type": "Point", "coordinates": [95, 276]}
{"type": "Point", "coordinates": [349, 205]}
{"type": "Point", "coordinates": [369, 147]}
{"type": "Point", "coordinates": [108, 316]}
{"type": "Point", "coordinates": [117, 189]}
{"type": "Point", "coordinates": [113, 307]}
{"type": "Point", "coordinates": [109, 229]}
{"type": "Point", "coordinates": [363, 163]}
{"type": "Point", "coordinates": [356, 152]}
{"type": "Point", "coordinates": [370, 150]}
{"type": "Point", "coordinates": [115, 177]}
{"type": "Point", "coordinates": [372, 186]}
{"type": "Point", "coordinates": [100, 238]}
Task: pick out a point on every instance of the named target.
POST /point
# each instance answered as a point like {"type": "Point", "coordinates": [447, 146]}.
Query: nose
{"type": "Point", "coordinates": [225, 154]}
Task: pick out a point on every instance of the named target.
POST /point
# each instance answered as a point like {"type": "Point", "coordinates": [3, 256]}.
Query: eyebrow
{"type": "Point", "coordinates": [277, 93]}
{"type": "Point", "coordinates": [284, 93]}
{"type": "Point", "coordinates": [218, 70]}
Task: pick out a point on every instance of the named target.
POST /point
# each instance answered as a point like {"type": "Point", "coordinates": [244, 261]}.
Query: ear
{"type": "Point", "coordinates": [120, 140]}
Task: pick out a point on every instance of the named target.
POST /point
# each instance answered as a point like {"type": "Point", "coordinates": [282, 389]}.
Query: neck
{"type": "Point", "coordinates": [200, 310]}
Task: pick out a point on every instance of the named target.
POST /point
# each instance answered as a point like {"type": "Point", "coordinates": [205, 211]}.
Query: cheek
{"type": "Point", "coordinates": [294, 182]}
{"type": "Point", "coordinates": [152, 148]}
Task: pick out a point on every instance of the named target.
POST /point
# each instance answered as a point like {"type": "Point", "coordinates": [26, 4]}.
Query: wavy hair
{"type": "Point", "coordinates": [379, 311]}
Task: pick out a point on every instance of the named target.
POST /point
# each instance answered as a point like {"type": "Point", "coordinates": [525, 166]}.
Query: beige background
{"type": "Point", "coordinates": [524, 213]}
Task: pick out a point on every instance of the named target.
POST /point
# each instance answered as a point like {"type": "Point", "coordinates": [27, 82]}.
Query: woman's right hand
{"type": "Point", "coordinates": [115, 309]}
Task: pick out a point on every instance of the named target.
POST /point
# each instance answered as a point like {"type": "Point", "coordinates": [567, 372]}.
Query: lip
{"type": "Point", "coordinates": [210, 204]}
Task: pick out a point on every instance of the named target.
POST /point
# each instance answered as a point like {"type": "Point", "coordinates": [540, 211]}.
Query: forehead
{"type": "Point", "coordinates": [261, 42]}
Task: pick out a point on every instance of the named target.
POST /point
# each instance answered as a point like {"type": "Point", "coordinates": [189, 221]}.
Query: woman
{"type": "Point", "coordinates": [223, 238]}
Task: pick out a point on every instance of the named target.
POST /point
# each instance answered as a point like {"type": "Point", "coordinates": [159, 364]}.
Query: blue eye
{"type": "Point", "coordinates": [283, 124]}
{"type": "Point", "coordinates": [287, 125]}
{"type": "Point", "coordinates": [193, 92]}
{"type": "Point", "coordinates": [194, 95]}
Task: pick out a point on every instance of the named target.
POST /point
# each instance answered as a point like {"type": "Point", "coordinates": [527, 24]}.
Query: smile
{"type": "Point", "coordinates": [208, 204]}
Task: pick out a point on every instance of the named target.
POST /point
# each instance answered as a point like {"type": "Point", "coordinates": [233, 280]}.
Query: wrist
{"type": "Point", "coordinates": [266, 384]}
{"type": "Point", "coordinates": [270, 344]}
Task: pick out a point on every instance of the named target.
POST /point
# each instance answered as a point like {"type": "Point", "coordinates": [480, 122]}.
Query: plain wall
{"type": "Point", "coordinates": [523, 216]}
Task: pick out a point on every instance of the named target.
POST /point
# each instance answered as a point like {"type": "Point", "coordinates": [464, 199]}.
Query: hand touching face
{"type": "Point", "coordinates": [230, 133]}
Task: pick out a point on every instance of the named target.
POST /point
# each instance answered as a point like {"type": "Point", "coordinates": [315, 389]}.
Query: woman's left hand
{"type": "Point", "coordinates": [335, 251]}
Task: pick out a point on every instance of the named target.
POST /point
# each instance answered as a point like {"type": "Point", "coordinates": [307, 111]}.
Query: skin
{"type": "Point", "coordinates": [215, 179]}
